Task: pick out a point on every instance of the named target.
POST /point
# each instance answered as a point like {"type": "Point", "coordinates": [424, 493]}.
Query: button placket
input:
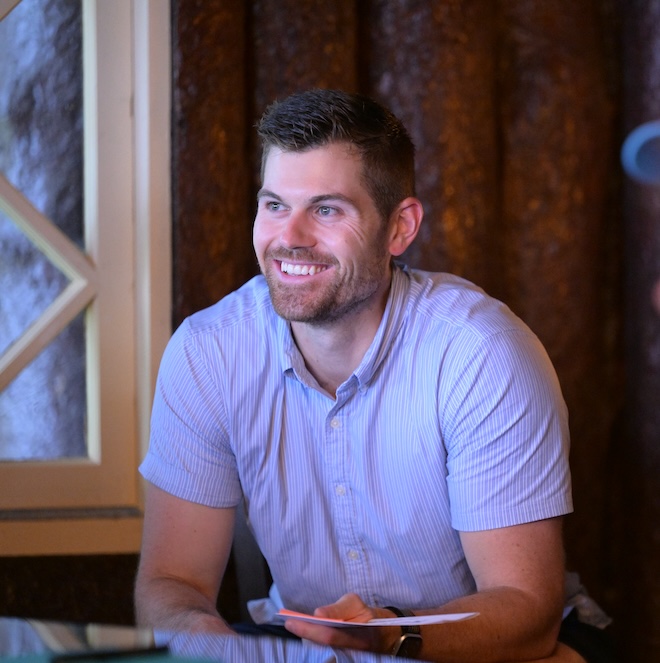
{"type": "Point", "coordinates": [345, 526]}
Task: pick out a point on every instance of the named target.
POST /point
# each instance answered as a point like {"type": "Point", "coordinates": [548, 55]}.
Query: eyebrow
{"type": "Point", "coordinates": [314, 200]}
{"type": "Point", "coordinates": [332, 196]}
{"type": "Point", "coordinates": [265, 193]}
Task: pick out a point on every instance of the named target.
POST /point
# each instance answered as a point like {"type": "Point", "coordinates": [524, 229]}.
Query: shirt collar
{"type": "Point", "coordinates": [389, 328]}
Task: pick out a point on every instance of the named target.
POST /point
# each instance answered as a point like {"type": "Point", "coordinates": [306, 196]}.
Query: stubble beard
{"type": "Point", "coordinates": [322, 306]}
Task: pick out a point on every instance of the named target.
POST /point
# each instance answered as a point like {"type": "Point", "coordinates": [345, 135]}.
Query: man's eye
{"type": "Point", "coordinates": [273, 206]}
{"type": "Point", "coordinates": [325, 210]}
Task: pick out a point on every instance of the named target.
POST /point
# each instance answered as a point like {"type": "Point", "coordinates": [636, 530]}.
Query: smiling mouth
{"type": "Point", "coordinates": [301, 270]}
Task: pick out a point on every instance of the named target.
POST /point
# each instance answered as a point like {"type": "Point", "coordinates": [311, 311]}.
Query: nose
{"type": "Point", "coordinates": [296, 231]}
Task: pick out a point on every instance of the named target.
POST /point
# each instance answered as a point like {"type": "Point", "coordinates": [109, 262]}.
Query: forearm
{"type": "Point", "coordinates": [172, 605]}
{"type": "Point", "coordinates": [177, 585]}
{"type": "Point", "coordinates": [511, 626]}
{"type": "Point", "coordinates": [519, 573]}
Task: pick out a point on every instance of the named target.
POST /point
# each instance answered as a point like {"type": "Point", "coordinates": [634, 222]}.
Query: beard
{"type": "Point", "coordinates": [325, 302]}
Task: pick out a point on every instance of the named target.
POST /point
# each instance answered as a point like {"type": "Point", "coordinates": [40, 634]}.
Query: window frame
{"type": "Point", "coordinates": [95, 504]}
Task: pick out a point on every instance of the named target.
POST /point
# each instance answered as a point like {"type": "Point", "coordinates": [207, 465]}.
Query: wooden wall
{"type": "Point", "coordinates": [638, 448]}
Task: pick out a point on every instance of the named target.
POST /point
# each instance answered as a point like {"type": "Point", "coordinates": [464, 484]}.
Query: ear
{"type": "Point", "coordinates": [404, 225]}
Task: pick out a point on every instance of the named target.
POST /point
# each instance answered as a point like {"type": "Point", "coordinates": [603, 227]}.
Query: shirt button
{"type": "Point", "coordinates": [353, 555]}
{"type": "Point", "coordinates": [340, 490]}
{"type": "Point", "coordinates": [335, 423]}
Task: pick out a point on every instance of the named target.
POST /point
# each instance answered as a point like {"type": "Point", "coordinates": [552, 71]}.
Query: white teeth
{"type": "Point", "coordinates": [303, 270]}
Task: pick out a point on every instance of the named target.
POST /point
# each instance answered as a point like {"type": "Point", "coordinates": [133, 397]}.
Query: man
{"type": "Point", "coordinates": [398, 437]}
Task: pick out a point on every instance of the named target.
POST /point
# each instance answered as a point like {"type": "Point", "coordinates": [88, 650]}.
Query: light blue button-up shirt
{"type": "Point", "coordinates": [453, 421]}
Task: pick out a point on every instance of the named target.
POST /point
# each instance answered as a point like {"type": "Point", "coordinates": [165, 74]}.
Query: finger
{"type": "Point", "coordinates": [359, 638]}
{"type": "Point", "coordinates": [349, 607]}
{"type": "Point", "coordinates": [323, 635]}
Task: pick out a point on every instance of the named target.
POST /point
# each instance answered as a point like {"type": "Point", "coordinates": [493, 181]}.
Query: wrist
{"type": "Point", "coordinates": [408, 643]}
{"type": "Point", "coordinates": [389, 639]}
{"type": "Point", "coordinates": [386, 636]}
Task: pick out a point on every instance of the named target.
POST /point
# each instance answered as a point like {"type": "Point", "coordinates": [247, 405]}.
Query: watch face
{"type": "Point", "coordinates": [409, 645]}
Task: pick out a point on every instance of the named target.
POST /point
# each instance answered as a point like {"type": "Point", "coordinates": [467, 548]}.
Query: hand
{"type": "Point", "coordinates": [349, 607]}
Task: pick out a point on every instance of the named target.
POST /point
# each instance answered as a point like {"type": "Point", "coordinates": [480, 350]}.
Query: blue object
{"type": "Point", "coordinates": [640, 154]}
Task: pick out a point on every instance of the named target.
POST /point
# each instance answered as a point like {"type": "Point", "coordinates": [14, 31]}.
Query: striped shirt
{"type": "Point", "coordinates": [453, 421]}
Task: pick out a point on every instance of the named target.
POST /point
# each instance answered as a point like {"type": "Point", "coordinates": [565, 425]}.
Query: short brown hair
{"type": "Point", "coordinates": [318, 117]}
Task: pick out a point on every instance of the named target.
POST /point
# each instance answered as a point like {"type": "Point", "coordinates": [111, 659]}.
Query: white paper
{"type": "Point", "coordinates": [393, 621]}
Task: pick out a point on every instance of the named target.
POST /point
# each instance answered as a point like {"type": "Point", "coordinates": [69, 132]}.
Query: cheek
{"type": "Point", "coordinates": [359, 247]}
{"type": "Point", "coordinates": [259, 236]}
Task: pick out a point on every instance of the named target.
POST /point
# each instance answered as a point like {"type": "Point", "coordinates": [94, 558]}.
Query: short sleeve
{"type": "Point", "coordinates": [189, 452]}
{"type": "Point", "coordinates": [505, 426]}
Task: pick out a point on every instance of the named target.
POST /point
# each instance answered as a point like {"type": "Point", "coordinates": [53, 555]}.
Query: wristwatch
{"type": "Point", "coordinates": [409, 643]}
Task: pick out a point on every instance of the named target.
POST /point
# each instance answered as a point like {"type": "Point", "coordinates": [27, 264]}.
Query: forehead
{"type": "Point", "coordinates": [328, 166]}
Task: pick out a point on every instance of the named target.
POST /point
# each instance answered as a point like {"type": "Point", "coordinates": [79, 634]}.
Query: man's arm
{"type": "Point", "coordinates": [519, 572]}
{"type": "Point", "coordinates": [185, 549]}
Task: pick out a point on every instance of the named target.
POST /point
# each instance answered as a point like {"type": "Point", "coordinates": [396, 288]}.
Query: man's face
{"type": "Point", "coordinates": [317, 235]}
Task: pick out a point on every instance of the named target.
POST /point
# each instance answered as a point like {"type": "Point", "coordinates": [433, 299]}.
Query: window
{"type": "Point", "coordinates": [89, 316]}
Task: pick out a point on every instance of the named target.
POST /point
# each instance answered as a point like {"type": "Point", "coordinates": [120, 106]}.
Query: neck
{"type": "Point", "coordinates": [333, 351]}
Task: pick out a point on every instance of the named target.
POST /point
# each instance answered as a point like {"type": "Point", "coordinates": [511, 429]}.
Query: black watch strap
{"type": "Point", "coordinates": [409, 642]}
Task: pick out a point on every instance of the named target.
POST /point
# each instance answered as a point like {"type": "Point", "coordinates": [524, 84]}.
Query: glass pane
{"type": "Point", "coordinates": [42, 412]}
{"type": "Point", "coordinates": [41, 108]}
{"type": "Point", "coordinates": [29, 282]}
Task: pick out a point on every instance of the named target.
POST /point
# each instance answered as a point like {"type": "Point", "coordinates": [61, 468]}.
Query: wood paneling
{"type": "Point", "coordinates": [210, 125]}
{"type": "Point", "coordinates": [433, 63]}
{"type": "Point", "coordinates": [640, 457]}
{"type": "Point", "coordinates": [558, 135]}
